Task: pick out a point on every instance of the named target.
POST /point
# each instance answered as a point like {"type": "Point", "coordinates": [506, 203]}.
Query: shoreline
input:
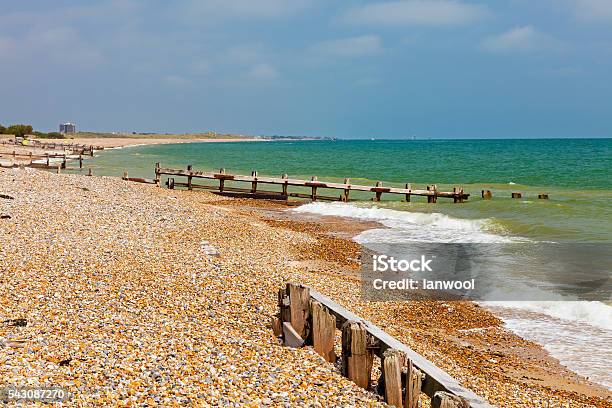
{"type": "Point", "coordinates": [530, 363]}
{"type": "Point", "coordinates": [138, 242]}
{"type": "Point", "coordinates": [107, 143]}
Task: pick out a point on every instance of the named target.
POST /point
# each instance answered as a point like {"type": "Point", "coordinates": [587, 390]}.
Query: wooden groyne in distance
{"type": "Point", "coordinates": [308, 317]}
{"type": "Point", "coordinates": [432, 193]}
{"type": "Point", "coordinates": [46, 158]}
{"type": "Point", "coordinates": [75, 148]}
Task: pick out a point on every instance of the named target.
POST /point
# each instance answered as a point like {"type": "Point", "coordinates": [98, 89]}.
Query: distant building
{"type": "Point", "coordinates": [67, 128]}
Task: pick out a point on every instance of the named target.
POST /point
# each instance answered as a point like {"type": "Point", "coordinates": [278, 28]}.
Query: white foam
{"type": "Point", "coordinates": [591, 320]}
{"type": "Point", "coordinates": [405, 226]}
{"type": "Point", "coordinates": [582, 348]}
{"type": "Point", "coordinates": [593, 313]}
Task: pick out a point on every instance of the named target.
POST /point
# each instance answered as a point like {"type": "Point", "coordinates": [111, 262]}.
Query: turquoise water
{"type": "Point", "coordinates": [576, 174]}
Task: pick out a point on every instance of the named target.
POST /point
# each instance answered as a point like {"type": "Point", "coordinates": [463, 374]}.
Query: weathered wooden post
{"type": "Point", "coordinates": [221, 180]}
{"type": "Point", "coordinates": [125, 175]}
{"type": "Point", "coordinates": [63, 161]}
{"type": "Point", "coordinates": [543, 196]}
{"type": "Point", "coordinates": [408, 187]}
{"type": "Point", "coordinates": [170, 183]}
{"type": "Point", "coordinates": [457, 194]}
{"type": "Point", "coordinates": [157, 174]}
{"type": "Point", "coordinates": [283, 305]}
{"type": "Point", "coordinates": [443, 399]}
{"type": "Point", "coordinates": [313, 195]}
{"type": "Point", "coordinates": [189, 177]}
{"type": "Point", "coordinates": [299, 304]}
{"type": "Point", "coordinates": [432, 198]}
{"type": "Point", "coordinates": [254, 182]}
{"type": "Point", "coordinates": [31, 160]}
{"type": "Point", "coordinates": [517, 195]}
{"type": "Point", "coordinates": [323, 331]}
{"type": "Point", "coordinates": [378, 193]}
{"type": "Point", "coordinates": [345, 195]}
{"type": "Point", "coordinates": [13, 155]}
{"type": "Point", "coordinates": [414, 382]}
{"type": "Point", "coordinates": [89, 172]}
{"type": "Point", "coordinates": [277, 326]}
{"type": "Point", "coordinates": [47, 156]}
{"type": "Point", "coordinates": [59, 167]}
{"type": "Point", "coordinates": [285, 185]}
{"type": "Point", "coordinates": [356, 358]}
{"type": "Point", "coordinates": [392, 363]}
{"type": "Point", "coordinates": [486, 194]}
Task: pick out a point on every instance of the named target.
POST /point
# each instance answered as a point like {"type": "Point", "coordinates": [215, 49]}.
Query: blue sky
{"type": "Point", "coordinates": [430, 68]}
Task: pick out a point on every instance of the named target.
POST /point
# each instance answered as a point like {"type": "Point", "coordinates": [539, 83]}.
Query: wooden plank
{"type": "Point", "coordinates": [445, 400]}
{"type": "Point", "coordinates": [299, 304]}
{"type": "Point", "coordinates": [141, 180]}
{"type": "Point", "coordinates": [435, 378]}
{"type": "Point", "coordinates": [432, 193]}
{"type": "Point", "coordinates": [291, 337]}
{"type": "Point", "coordinates": [414, 382]}
{"type": "Point", "coordinates": [303, 183]}
{"type": "Point", "coordinates": [323, 331]}
{"type": "Point", "coordinates": [392, 363]}
{"type": "Point", "coordinates": [277, 326]}
{"type": "Point", "coordinates": [283, 304]}
{"type": "Point", "coordinates": [357, 360]}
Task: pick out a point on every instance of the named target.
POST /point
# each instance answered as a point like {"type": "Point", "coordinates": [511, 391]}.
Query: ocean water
{"type": "Point", "coordinates": [576, 173]}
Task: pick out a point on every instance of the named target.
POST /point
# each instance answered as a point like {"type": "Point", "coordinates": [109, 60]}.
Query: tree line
{"type": "Point", "coordinates": [24, 130]}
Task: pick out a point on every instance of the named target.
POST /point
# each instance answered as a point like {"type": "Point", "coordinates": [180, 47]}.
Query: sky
{"type": "Point", "coordinates": [348, 69]}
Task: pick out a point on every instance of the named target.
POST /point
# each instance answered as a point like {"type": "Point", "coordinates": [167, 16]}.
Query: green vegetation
{"type": "Point", "coordinates": [19, 130]}
{"type": "Point", "coordinates": [25, 130]}
{"type": "Point", "coordinates": [50, 135]}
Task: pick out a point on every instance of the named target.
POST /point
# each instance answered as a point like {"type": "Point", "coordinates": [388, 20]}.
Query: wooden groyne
{"type": "Point", "coordinates": [45, 161]}
{"type": "Point", "coordinates": [24, 154]}
{"type": "Point", "coordinates": [432, 193]}
{"type": "Point", "coordinates": [306, 317]}
{"type": "Point", "coordinates": [74, 148]}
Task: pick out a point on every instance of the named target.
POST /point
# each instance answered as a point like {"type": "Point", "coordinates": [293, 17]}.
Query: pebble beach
{"type": "Point", "coordinates": [133, 295]}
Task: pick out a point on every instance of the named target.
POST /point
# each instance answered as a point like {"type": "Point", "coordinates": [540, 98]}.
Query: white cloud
{"type": "Point", "coordinates": [416, 12]}
{"type": "Point", "coordinates": [243, 54]}
{"type": "Point", "coordinates": [525, 39]}
{"type": "Point", "coordinates": [177, 81]}
{"type": "Point", "coordinates": [58, 45]}
{"type": "Point", "coordinates": [350, 47]}
{"type": "Point", "coordinates": [263, 72]}
{"type": "Point", "coordinates": [246, 8]}
{"type": "Point", "coordinates": [593, 10]}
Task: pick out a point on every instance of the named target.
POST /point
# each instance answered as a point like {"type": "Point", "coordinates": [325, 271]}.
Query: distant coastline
{"type": "Point", "coordinates": [122, 139]}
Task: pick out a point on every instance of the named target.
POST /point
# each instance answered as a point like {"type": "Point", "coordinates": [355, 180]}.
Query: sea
{"type": "Point", "coordinates": [575, 173]}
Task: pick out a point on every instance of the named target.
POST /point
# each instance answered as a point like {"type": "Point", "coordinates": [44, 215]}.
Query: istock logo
{"type": "Point", "coordinates": [384, 263]}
